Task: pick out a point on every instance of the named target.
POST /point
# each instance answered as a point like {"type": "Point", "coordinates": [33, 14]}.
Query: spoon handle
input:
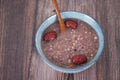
{"type": "Point", "coordinates": [61, 22]}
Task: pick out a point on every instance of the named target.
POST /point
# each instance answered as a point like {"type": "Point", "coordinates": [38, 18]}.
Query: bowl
{"type": "Point", "coordinates": [66, 15]}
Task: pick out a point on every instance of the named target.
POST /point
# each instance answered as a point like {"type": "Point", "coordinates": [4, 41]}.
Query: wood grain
{"type": "Point", "coordinates": [19, 21]}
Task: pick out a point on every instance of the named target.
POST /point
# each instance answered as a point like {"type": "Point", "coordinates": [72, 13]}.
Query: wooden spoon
{"type": "Point", "coordinates": [61, 22]}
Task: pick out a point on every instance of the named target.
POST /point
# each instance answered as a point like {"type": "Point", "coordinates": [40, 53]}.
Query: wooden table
{"type": "Point", "coordinates": [19, 21]}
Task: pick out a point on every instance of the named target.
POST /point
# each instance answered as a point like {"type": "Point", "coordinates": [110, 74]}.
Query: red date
{"type": "Point", "coordinates": [79, 59]}
{"type": "Point", "coordinates": [50, 36]}
{"type": "Point", "coordinates": [71, 24]}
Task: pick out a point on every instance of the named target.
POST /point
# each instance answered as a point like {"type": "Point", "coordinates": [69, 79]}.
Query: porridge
{"type": "Point", "coordinates": [74, 47]}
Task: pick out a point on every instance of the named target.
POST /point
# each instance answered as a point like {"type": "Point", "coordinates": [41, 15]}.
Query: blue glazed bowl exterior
{"type": "Point", "coordinates": [66, 15]}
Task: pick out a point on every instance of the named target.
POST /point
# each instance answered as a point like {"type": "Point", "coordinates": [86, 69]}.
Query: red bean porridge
{"type": "Point", "coordinates": [81, 40]}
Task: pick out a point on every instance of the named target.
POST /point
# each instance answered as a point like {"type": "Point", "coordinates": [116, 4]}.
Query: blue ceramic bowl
{"type": "Point", "coordinates": [66, 15]}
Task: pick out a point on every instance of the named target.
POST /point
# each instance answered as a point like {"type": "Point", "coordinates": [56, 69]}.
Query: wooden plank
{"type": "Point", "coordinates": [1, 39]}
{"type": "Point", "coordinates": [12, 48]}
{"type": "Point", "coordinates": [87, 7]}
{"type": "Point", "coordinates": [113, 19]}
{"type": "Point", "coordinates": [17, 39]}
{"type": "Point", "coordinates": [39, 70]}
{"type": "Point", "coordinates": [101, 65]}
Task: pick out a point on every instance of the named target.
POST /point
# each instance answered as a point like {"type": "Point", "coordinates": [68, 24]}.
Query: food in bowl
{"type": "Point", "coordinates": [74, 47]}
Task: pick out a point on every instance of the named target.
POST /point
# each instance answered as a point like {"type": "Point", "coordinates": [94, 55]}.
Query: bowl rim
{"type": "Point", "coordinates": [76, 15]}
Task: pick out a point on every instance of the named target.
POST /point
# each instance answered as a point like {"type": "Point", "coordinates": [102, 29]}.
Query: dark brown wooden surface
{"type": "Point", "coordinates": [19, 21]}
